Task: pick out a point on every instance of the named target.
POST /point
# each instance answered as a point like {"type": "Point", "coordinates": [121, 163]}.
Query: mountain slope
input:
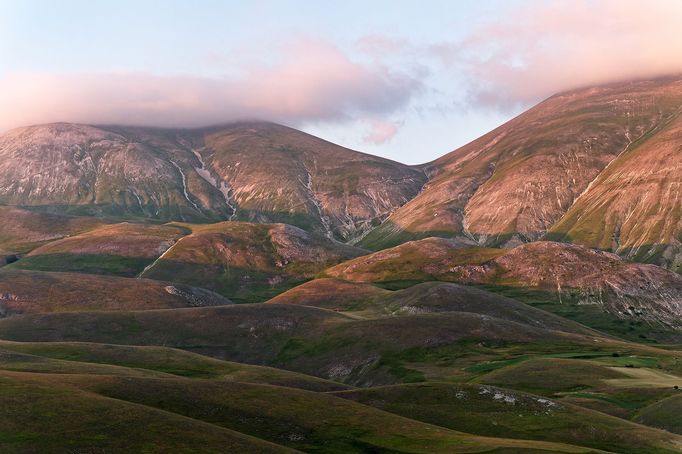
{"type": "Point", "coordinates": [515, 182]}
{"type": "Point", "coordinates": [634, 207]}
{"type": "Point", "coordinates": [273, 170]}
{"type": "Point", "coordinates": [249, 171]}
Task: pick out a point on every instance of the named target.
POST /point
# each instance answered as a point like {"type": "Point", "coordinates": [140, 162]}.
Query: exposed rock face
{"type": "Point", "coordinates": [516, 182]}
{"type": "Point", "coordinates": [251, 171]}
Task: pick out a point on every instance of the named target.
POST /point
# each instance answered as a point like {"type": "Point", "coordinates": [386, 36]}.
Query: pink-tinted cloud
{"type": "Point", "coordinates": [549, 46]}
{"type": "Point", "coordinates": [310, 81]}
{"type": "Point", "coordinates": [381, 132]}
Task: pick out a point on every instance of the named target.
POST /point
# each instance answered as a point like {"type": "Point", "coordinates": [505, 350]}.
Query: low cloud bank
{"type": "Point", "coordinates": [313, 81]}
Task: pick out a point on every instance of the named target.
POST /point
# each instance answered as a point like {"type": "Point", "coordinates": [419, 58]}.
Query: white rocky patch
{"type": "Point", "coordinates": [504, 397]}
{"type": "Point", "coordinates": [221, 186]}
{"type": "Point", "coordinates": [308, 185]}
{"type": "Point", "coordinates": [184, 185]}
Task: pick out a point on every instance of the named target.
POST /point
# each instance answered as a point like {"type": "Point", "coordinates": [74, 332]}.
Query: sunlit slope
{"type": "Point", "coordinates": [514, 183]}
{"type": "Point", "coordinates": [634, 207]}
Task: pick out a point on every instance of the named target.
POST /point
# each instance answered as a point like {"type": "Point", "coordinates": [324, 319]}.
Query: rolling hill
{"type": "Point", "coordinates": [123, 249]}
{"type": "Point", "coordinates": [484, 409]}
{"type": "Point", "coordinates": [245, 261]}
{"type": "Point", "coordinates": [24, 230]}
{"type": "Point", "coordinates": [39, 292]}
{"type": "Point", "coordinates": [596, 288]}
{"type": "Point", "coordinates": [372, 350]}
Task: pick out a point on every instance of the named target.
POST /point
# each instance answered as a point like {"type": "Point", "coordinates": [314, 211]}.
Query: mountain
{"type": "Point", "coordinates": [505, 309]}
{"type": "Point", "coordinates": [247, 171]}
{"type": "Point", "coordinates": [516, 182]}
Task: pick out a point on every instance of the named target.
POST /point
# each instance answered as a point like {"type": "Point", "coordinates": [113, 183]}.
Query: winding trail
{"type": "Point", "coordinates": [151, 265]}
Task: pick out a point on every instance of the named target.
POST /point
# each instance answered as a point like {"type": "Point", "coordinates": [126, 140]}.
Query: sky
{"type": "Point", "coordinates": [407, 80]}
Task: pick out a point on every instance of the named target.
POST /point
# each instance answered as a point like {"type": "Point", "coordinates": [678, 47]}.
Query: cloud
{"type": "Point", "coordinates": [381, 132]}
{"type": "Point", "coordinates": [310, 80]}
{"type": "Point", "coordinates": [545, 46]}
{"type": "Point", "coordinates": [376, 45]}
{"type": "Point", "coordinates": [527, 51]}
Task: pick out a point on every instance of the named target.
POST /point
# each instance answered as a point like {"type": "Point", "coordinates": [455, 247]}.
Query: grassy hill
{"type": "Point", "coordinates": [23, 230]}
{"type": "Point", "coordinates": [248, 262]}
{"type": "Point", "coordinates": [119, 249]}
{"type": "Point", "coordinates": [493, 411]}
{"type": "Point", "coordinates": [596, 288]}
{"type": "Point", "coordinates": [36, 292]}
{"type": "Point", "coordinates": [226, 407]}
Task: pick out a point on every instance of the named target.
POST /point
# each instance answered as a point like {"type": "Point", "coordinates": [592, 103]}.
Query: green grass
{"type": "Point", "coordinates": [114, 265]}
{"type": "Point", "coordinates": [76, 357]}
{"type": "Point", "coordinates": [592, 316]}
{"type": "Point", "coordinates": [44, 416]}
{"type": "Point", "coordinates": [504, 413]}
{"type": "Point", "coordinates": [134, 412]}
{"type": "Point", "coordinates": [550, 376]}
{"type": "Point", "coordinates": [311, 422]}
{"type": "Point", "coordinates": [494, 365]}
{"type": "Point", "coordinates": [664, 414]}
